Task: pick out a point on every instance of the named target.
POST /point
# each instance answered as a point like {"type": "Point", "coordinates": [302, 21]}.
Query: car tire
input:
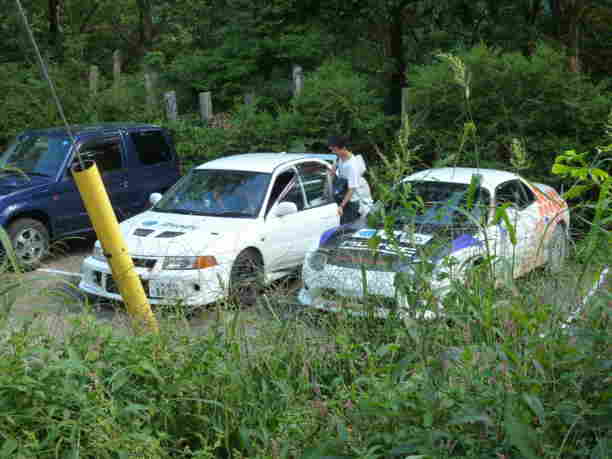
{"type": "Point", "coordinates": [246, 278]}
{"type": "Point", "coordinates": [30, 241]}
{"type": "Point", "coordinates": [556, 251]}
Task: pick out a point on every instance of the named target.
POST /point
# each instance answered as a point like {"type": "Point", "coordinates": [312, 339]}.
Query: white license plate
{"type": "Point", "coordinates": [164, 290]}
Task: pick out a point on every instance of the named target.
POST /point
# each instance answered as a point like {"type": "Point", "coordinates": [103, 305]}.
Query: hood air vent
{"type": "Point", "coordinates": [143, 232]}
{"type": "Point", "coordinates": [169, 234]}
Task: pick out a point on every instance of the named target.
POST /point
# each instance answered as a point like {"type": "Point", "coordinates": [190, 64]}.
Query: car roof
{"type": "Point", "coordinates": [490, 178]}
{"type": "Point", "coordinates": [257, 162]}
{"type": "Point", "coordinates": [84, 129]}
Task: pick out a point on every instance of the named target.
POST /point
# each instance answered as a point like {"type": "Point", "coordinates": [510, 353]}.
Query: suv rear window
{"type": "Point", "coordinates": [151, 146]}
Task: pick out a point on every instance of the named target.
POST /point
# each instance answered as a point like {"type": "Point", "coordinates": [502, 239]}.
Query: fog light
{"type": "Point", "coordinates": [317, 260]}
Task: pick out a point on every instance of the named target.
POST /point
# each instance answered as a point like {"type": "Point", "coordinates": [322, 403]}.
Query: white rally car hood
{"type": "Point", "coordinates": [166, 234]}
{"type": "Point", "coordinates": [346, 238]}
{"type": "Point", "coordinates": [402, 243]}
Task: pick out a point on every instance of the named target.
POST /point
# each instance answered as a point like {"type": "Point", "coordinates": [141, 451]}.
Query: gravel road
{"type": "Point", "coordinates": [50, 296]}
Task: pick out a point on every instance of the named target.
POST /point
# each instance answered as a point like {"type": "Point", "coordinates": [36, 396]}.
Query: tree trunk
{"type": "Point", "coordinates": [573, 33]}
{"type": "Point", "coordinates": [54, 25]}
{"type": "Point", "coordinates": [397, 78]}
{"type": "Point", "coordinates": [567, 15]}
{"type": "Point", "coordinates": [555, 7]}
{"type": "Point", "coordinates": [146, 25]}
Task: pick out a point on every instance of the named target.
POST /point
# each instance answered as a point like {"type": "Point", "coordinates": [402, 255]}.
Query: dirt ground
{"type": "Point", "coordinates": [50, 296]}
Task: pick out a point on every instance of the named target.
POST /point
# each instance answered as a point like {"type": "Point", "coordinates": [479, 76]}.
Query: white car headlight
{"type": "Point", "coordinates": [189, 262]}
{"type": "Point", "coordinates": [317, 260]}
{"type": "Point", "coordinates": [98, 253]}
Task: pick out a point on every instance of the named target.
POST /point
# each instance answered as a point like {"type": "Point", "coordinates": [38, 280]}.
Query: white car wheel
{"type": "Point", "coordinates": [246, 278]}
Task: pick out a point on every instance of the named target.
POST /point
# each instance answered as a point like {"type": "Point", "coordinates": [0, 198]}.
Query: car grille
{"type": "Point", "coordinates": [111, 285]}
{"type": "Point", "coordinates": [370, 259]}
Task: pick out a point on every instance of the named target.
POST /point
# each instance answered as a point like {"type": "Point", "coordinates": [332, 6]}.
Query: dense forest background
{"type": "Point", "coordinates": [480, 74]}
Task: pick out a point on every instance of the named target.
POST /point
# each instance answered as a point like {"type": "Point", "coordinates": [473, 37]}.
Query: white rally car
{"type": "Point", "coordinates": [447, 217]}
{"type": "Point", "coordinates": [224, 226]}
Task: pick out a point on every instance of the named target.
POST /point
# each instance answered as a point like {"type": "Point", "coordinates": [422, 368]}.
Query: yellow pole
{"type": "Point", "coordinates": [105, 224]}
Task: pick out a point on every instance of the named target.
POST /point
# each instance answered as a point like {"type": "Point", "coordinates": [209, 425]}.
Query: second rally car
{"type": "Point", "coordinates": [450, 219]}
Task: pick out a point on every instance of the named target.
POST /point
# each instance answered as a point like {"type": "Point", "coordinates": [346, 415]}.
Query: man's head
{"type": "Point", "coordinates": [338, 145]}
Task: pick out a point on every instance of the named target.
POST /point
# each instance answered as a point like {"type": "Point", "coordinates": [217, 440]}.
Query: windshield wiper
{"type": "Point", "coordinates": [179, 211]}
{"type": "Point", "coordinates": [232, 213]}
{"type": "Point", "coordinates": [23, 174]}
{"type": "Point", "coordinates": [37, 174]}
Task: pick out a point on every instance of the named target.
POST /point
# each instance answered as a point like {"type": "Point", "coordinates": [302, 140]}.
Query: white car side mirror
{"type": "Point", "coordinates": [285, 208]}
{"type": "Point", "coordinates": [155, 198]}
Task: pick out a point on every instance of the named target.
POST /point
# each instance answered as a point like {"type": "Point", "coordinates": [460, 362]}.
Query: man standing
{"type": "Point", "coordinates": [357, 200]}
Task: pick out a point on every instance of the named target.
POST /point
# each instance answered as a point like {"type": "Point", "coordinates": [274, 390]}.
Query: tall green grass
{"type": "Point", "coordinates": [499, 376]}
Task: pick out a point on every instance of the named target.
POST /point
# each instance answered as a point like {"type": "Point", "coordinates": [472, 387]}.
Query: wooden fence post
{"type": "Point", "coordinates": [94, 74]}
{"type": "Point", "coordinates": [117, 68]}
{"type": "Point", "coordinates": [206, 108]}
{"type": "Point", "coordinates": [298, 80]}
{"type": "Point", "coordinates": [150, 84]}
{"type": "Point", "coordinates": [249, 98]}
{"type": "Point", "coordinates": [171, 106]}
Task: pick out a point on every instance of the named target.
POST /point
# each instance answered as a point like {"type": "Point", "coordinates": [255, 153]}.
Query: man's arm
{"type": "Point", "coordinates": [347, 198]}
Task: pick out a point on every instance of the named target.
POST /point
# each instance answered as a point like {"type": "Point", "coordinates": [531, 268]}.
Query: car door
{"type": "Point", "coordinates": [524, 216]}
{"type": "Point", "coordinates": [289, 237]}
{"type": "Point", "coordinates": [107, 152]}
{"type": "Point", "coordinates": [320, 207]}
{"type": "Point", "coordinates": [152, 166]}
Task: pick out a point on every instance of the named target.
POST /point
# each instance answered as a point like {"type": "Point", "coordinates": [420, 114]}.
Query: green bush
{"type": "Point", "coordinates": [28, 103]}
{"type": "Point", "coordinates": [335, 99]}
{"type": "Point", "coordinates": [536, 99]}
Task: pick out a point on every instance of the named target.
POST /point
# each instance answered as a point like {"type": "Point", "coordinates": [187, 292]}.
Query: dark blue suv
{"type": "Point", "coordinates": [39, 200]}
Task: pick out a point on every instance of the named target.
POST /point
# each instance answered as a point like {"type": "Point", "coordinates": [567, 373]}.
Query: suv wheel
{"type": "Point", "coordinates": [30, 240]}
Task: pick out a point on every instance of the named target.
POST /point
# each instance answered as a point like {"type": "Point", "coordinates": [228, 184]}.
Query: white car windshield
{"type": "Point", "coordinates": [36, 155]}
{"type": "Point", "coordinates": [214, 192]}
{"type": "Point", "coordinates": [438, 204]}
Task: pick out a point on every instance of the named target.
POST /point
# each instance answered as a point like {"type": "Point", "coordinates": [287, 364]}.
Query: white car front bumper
{"type": "Point", "coordinates": [189, 287]}
{"type": "Point", "coordinates": [338, 289]}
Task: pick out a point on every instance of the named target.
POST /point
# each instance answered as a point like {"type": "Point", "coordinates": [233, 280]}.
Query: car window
{"type": "Point", "coordinates": [36, 154]}
{"type": "Point", "coordinates": [434, 205]}
{"type": "Point", "coordinates": [106, 153]}
{"type": "Point", "coordinates": [151, 147]}
{"type": "Point", "coordinates": [316, 183]}
{"type": "Point", "coordinates": [287, 188]}
{"type": "Point", "coordinates": [514, 192]}
{"type": "Point", "coordinates": [213, 192]}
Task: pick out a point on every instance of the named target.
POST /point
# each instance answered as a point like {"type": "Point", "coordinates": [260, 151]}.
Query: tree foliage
{"type": "Point", "coordinates": [237, 47]}
{"type": "Point", "coordinates": [506, 96]}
